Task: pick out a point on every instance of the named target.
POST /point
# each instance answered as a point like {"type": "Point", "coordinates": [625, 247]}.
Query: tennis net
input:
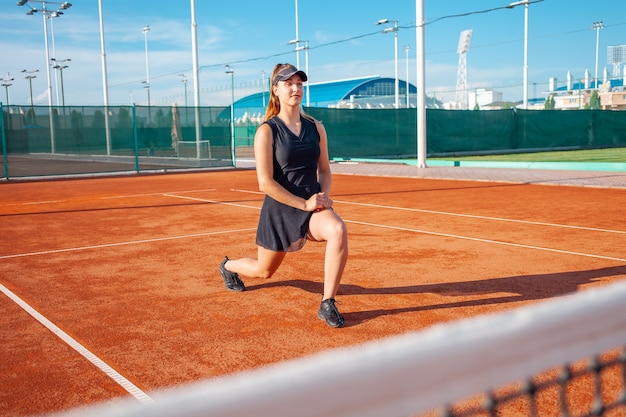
{"type": "Point", "coordinates": [561, 357]}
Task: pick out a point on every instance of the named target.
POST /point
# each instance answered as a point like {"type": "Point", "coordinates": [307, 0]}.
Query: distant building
{"type": "Point", "coordinates": [483, 97]}
{"type": "Point", "coordinates": [577, 94]}
{"type": "Point", "coordinates": [355, 93]}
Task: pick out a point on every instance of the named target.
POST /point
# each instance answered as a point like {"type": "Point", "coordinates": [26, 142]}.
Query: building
{"type": "Point", "coordinates": [483, 97]}
{"type": "Point", "coordinates": [355, 93]}
{"type": "Point", "coordinates": [577, 95]}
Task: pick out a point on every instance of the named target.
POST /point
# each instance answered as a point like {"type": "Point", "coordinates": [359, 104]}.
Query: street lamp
{"type": "Point", "coordinates": [6, 83]}
{"type": "Point", "coordinates": [306, 58]}
{"type": "Point", "coordinates": [146, 29]}
{"type": "Point", "coordinates": [30, 77]}
{"type": "Point", "coordinates": [61, 66]}
{"type": "Point", "coordinates": [597, 26]}
{"type": "Point", "coordinates": [393, 29]}
{"type": "Point", "coordinates": [407, 48]}
{"type": "Point", "coordinates": [230, 70]}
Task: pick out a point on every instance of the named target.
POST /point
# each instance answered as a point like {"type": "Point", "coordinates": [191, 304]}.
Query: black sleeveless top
{"type": "Point", "coordinates": [283, 228]}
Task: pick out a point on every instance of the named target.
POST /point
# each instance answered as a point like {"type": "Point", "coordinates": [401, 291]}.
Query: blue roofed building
{"type": "Point", "coordinates": [354, 93]}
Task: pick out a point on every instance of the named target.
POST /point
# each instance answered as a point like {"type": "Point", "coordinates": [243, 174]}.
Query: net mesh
{"type": "Point", "coordinates": [562, 357]}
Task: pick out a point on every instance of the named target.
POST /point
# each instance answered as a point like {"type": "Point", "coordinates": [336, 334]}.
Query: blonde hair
{"type": "Point", "coordinates": [273, 106]}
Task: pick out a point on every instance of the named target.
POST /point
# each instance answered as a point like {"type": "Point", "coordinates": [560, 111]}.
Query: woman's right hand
{"type": "Point", "coordinates": [317, 202]}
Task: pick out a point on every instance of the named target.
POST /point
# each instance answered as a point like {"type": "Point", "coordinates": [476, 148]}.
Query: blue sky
{"type": "Point", "coordinates": [252, 36]}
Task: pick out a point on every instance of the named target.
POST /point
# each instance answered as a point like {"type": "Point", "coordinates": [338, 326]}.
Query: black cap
{"type": "Point", "coordinates": [288, 72]}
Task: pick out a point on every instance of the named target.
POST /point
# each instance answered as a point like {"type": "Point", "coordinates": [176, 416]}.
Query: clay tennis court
{"type": "Point", "coordinates": [111, 288]}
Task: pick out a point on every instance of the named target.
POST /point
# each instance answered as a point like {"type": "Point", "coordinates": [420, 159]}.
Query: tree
{"type": "Point", "coordinates": [549, 103]}
{"type": "Point", "coordinates": [594, 101]}
{"type": "Point", "coordinates": [123, 119]}
{"type": "Point", "coordinates": [98, 120]}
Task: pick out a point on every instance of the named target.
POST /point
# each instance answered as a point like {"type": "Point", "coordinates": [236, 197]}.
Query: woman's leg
{"type": "Point", "coordinates": [328, 227]}
{"type": "Point", "coordinates": [263, 267]}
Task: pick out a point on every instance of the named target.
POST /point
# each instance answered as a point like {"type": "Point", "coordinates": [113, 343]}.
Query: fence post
{"type": "Point", "coordinates": [4, 143]}
{"type": "Point", "coordinates": [135, 138]}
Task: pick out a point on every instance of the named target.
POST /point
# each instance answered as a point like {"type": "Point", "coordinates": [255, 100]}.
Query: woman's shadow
{"type": "Point", "coordinates": [524, 288]}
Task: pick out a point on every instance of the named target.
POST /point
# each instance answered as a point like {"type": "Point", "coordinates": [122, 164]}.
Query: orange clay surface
{"type": "Point", "coordinates": [128, 267]}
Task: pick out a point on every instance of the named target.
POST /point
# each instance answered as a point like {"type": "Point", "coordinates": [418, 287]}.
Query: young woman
{"type": "Point", "coordinates": [293, 171]}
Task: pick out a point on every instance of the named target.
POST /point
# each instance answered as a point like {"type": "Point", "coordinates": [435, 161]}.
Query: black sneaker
{"type": "Point", "coordinates": [328, 312]}
{"type": "Point", "coordinates": [231, 279]}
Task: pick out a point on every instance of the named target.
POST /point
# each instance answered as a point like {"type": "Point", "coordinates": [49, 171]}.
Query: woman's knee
{"type": "Point", "coordinates": [268, 263]}
{"type": "Point", "coordinates": [265, 273]}
{"type": "Point", "coordinates": [337, 230]}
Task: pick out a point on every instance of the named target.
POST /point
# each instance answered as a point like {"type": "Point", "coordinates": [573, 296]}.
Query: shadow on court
{"type": "Point", "coordinates": [523, 287]}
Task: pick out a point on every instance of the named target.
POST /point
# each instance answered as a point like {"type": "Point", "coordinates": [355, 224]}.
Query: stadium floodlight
{"type": "Point", "coordinates": [597, 26]}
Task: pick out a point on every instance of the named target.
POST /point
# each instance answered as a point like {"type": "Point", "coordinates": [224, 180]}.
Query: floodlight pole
{"type": "Point", "coordinates": [6, 83]}
{"type": "Point", "coordinates": [297, 40]}
{"type": "Point", "coordinates": [306, 64]}
{"type": "Point", "coordinates": [196, 81]}
{"type": "Point", "coordinates": [263, 86]}
{"type": "Point", "coordinates": [393, 29]}
{"type": "Point", "coordinates": [231, 71]}
{"type": "Point", "coordinates": [105, 85]}
{"type": "Point", "coordinates": [420, 83]}
{"type": "Point", "coordinates": [510, 6]}
{"type": "Point", "coordinates": [146, 83]}
{"type": "Point", "coordinates": [407, 48]}
{"type": "Point", "coordinates": [30, 77]}
{"type": "Point", "coordinates": [46, 14]}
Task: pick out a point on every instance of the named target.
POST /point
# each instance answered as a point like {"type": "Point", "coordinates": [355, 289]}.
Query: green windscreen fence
{"type": "Point", "coordinates": [383, 133]}
{"type": "Point", "coordinates": [43, 140]}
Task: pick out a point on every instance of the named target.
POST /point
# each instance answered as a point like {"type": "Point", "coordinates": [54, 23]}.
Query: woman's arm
{"type": "Point", "coordinates": [324, 174]}
{"type": "Point", "coordinates": [263, 155]}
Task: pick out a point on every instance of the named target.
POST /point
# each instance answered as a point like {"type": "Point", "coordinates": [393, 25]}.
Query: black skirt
{"type": "Point", "coordinates": [282, 228]}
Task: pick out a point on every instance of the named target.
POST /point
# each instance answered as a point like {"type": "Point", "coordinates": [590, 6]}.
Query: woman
{"type": "Point", "coordinates": [293, 171]}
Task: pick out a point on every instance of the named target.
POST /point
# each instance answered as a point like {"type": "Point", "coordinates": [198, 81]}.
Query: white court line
{"type": "Point", "coordinates": [497, 242]}
{"type": "Point", "coordinates": [131, 242]}
{"type": "Point", "coordinates": [473, 216]}
{"type": "Point", "coordinates": [86, 353]}
{"type": "Point", "coordinates": [42, 202]}
{"type": "Point", "coordinates": [167, 193]}
{"type": "Point", "coordinates": [212, 201]}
